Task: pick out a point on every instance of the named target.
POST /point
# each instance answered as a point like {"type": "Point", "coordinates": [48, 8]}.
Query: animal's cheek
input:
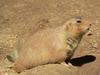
{"type": "Point", "coordinates": [84, 27]}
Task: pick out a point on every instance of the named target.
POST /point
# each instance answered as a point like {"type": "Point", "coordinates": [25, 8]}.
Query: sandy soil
{"type": "Point", "coordinates": [20, 19]}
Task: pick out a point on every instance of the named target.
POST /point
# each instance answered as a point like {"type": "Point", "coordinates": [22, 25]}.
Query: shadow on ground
{"type": "Point", "coordinates": [82, 60]}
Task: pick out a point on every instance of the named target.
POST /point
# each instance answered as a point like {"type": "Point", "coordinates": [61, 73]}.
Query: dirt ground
{"type": "Point", "coordinates": [20, 19]}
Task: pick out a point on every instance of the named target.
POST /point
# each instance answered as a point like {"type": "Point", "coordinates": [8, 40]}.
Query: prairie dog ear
{"type": "Point", "coordinates": [67, 24]}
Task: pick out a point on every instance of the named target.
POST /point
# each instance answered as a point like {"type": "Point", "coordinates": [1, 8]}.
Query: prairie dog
{"type": "Point", "coordinates": [53, 45]}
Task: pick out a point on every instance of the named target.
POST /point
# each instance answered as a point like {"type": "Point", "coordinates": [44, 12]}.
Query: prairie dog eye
{"type": "Point", "coordinates": [79, 21]}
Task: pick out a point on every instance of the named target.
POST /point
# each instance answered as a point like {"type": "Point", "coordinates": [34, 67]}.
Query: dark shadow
{"type": "Point", "coordinates": [82, 60]}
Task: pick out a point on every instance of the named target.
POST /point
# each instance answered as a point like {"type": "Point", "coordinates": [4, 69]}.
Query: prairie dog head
{"type": "Point", "coordinates": [77, 26]}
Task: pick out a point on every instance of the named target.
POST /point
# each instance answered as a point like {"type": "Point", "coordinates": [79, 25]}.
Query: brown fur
{"type": "Point", "coordinates": [51, 45]}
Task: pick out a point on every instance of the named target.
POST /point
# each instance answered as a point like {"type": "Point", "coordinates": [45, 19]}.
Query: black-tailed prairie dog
{"type": "Point", "coordinates": [52, 45]}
